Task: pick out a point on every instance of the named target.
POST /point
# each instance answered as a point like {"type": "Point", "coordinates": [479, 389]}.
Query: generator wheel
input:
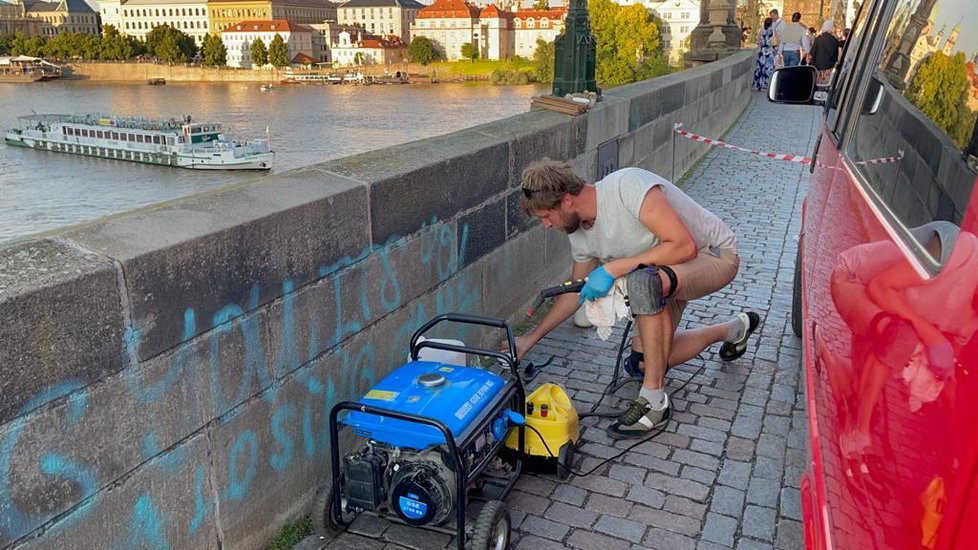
{"type": "Point", "coordinates": [491, 527]}
{"type": "Point", "coordinates": [796, 320]}
{"type": "Point", "coordinates": [322, 520]}
{"type": "Point", "coordinates": [565, 460]}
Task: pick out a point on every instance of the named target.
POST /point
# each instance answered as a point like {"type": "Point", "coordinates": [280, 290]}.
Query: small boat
{"type": "Point", "coordinates": [156, 81]}
{"type": "Point", "coordinates": [181, 143]}
{"type": "Point", "coordinates": [267, 87]}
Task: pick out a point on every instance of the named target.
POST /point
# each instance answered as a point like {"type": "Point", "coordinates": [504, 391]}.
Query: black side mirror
{"type": "Point", "coordinates": [793, 85]}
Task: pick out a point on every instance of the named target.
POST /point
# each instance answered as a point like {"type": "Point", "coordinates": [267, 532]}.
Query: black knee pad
{"type": "Point", "coordinates": [634, 358]}
{"type": "Point", "coordinates": [645, 291]}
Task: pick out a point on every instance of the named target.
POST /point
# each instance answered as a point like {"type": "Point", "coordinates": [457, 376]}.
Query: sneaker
{"type": "Point", "coordinates": [639, 419]}
{"type": "Point", "coordinates": [733, 350]}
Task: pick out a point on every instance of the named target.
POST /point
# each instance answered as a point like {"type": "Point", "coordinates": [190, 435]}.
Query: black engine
{"type": "Point", "coordinates": [417, 486]}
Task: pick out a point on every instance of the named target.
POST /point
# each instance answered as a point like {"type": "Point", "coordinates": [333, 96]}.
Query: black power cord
{"type": "Point", "coordinates": [653, 433]}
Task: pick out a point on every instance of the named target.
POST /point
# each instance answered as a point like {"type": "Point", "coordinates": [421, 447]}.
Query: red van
{"type": "Point", "coordinates": [886, 283]}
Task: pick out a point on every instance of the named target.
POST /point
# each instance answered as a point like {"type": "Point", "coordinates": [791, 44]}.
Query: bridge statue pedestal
{"type": "Point", "coordinates": [717, 34]}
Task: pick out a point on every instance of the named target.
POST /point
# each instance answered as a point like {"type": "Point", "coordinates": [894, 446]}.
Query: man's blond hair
{"type": "Point", "coordinates": [545, 182]}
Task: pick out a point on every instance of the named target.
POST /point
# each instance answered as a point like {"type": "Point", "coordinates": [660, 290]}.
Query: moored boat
{"type": "Point", "coordinates": [181, 143]}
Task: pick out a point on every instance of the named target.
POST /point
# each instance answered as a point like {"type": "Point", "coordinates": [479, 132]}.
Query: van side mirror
{"type": "Point", "coordinates": [793, 85]}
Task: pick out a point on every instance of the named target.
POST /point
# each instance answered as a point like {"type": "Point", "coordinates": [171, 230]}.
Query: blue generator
{"type": "Point", "coordinates": [424, 444]}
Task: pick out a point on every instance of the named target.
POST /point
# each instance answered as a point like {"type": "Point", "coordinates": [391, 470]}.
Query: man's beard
{"type": "Point", "coordinates": [570, 222]}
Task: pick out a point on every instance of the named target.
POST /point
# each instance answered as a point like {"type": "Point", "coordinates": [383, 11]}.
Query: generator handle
{"type": "Point", "coordinates": [470, 319]}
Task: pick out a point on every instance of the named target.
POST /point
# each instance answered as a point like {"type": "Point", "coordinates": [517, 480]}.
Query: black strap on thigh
{"type": "Point", "coordinates": [673, 280]}
{"type": "Point", "coordinates": [634, 358]}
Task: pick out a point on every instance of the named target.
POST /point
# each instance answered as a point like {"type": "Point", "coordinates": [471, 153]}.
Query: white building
{"type": "Point", "coordinates": [324, 36]}
{"type": "Point", "coordinates": [679, 18]}
{"type": "Point", "coordinates": [239, 37]}
{"type": "Point", "coordinates": [448, 24]}
{"type": "Point", "coordinates": [380, 17]}
{"type": "Point", "coordinates": [529, 25]}
{"type": "Point", "coordinates": [356, 49]}
{"type": "Point", "coordinates": [138, 17]}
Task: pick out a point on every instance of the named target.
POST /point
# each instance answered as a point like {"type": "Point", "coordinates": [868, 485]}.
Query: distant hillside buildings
{"type": "Point", "coordinates": [36, 18]}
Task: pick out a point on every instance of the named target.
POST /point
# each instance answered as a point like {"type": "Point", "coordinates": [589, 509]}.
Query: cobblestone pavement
{"type": "Point", "coordinates": [725, 473]}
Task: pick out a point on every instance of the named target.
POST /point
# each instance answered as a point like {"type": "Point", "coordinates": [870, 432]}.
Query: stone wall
{"type": "Point", "coordinates": [167, 373]}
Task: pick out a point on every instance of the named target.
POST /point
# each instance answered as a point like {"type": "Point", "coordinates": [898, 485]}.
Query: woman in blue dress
{"type": "Point", "coordinates": [765, 57]}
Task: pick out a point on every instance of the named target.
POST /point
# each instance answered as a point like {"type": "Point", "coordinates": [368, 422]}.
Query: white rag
{"type": "Point", "coordinates": [924, 386]}
{"type": "Point", "coordinates": [603, 313]}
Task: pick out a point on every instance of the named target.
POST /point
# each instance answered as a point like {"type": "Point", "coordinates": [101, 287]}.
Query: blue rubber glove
{"type": "Point", "coordinates": [599, 283]}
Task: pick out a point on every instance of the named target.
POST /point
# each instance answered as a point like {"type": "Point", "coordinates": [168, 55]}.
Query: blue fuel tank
{"type": "Point", "coordinates": [452, 394]}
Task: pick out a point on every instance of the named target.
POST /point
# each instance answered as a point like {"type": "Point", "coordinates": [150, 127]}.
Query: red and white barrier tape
{"type": "Point", "coordinates": [717, 143]}
{"type": "Point", "coordinates": [884, 160]}
{"type": "Point", "coordinates": [776, 156]}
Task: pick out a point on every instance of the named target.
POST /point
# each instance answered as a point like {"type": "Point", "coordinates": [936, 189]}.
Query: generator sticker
{"type": "Point", "coordinates": [412, 509]}
{"type": "Point", "coordinates": [476, 397]}
{"type": "Point", "coordinates": [381, 395]}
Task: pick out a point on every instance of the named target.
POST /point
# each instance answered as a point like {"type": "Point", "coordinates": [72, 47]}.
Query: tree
{"type": "Point", "coordinates": [470, 51]}
{"type": "Point", "coordinates": [259, 55]}
{"type": "Point", "coordinates": [541, 5]}
{"type": "Point", "coordinates": [170, 44]}
{"type": "Point", "coordinates": [27, 45]}
{"type": "Point", "coordinates": [115, 47]}
{"type": "Point", "coordinates": [628, 48]}
{"type": "Point", "coordinates": [543, 61]}
{"type": "Point", "coordinates": [278, 51]}
{"type": "Point", "coordinates": [215, 52]}
{"type": "Point", "coordinates": [5, 42]}
{"type": "Point", "coordinates": [421, 50]}
{"type": "Point", "coordinates": [359, 58]}
{"type": "Point", "coordinates": [940, 90]}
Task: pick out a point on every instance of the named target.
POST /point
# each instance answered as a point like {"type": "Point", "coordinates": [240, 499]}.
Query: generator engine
{"type": "Point", "coordinates": [418, 486]}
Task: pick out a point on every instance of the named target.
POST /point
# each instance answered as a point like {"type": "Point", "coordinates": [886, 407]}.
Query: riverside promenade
{"type": "Point", "coordinates": [726, 471]}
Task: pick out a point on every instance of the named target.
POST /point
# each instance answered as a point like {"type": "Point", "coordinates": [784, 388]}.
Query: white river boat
{"type": "Point", "coordinates": [181, 143]}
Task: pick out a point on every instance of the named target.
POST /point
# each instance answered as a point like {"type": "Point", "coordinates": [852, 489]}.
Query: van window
{"type": "Point", "coordinates": [915, 134]}
{"type": "Point", "coordinates": [844, 80]}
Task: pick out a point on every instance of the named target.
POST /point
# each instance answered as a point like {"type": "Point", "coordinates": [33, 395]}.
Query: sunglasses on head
{"type": "Point", "coordinates": [527, 192]}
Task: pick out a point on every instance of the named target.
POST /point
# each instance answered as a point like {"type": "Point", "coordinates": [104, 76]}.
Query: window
{"type": "Point", "coordinates": [916, 127]}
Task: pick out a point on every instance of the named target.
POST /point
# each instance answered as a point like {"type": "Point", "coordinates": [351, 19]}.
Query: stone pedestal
{"type": "Point", "coordinates": [717, 34]}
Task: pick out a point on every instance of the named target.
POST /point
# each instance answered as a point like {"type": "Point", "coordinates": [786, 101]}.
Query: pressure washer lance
{"type": "Point", "coordinates": [550, 292]}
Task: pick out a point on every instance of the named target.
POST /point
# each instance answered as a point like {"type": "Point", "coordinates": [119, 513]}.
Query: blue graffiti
{"type": "Point", "coordinates": [147, 525]}
{"type": "Point", "coordinates": [439, 252]}
{"type": "Point", "coordinates": [281, 459]}
{"type": "Point", "coordinates": [14, 522]}
{"type": "Point", "coordinates": [201, 508]}
{"type": "Point", "coordinates": [238, 486]}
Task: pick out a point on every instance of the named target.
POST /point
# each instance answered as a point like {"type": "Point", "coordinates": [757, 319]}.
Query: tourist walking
{"type": "Point", "coordinates": [764, 67]}
{"type": "Point", "coordinates": [825, 53]}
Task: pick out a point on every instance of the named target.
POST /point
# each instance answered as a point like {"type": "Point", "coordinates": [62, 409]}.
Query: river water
{"type": "Point", "coordinates": [307, 124]}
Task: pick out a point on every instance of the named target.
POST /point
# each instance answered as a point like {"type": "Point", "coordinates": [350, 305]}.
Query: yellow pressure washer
{"type": "Point", "coordinates": [552, 431]}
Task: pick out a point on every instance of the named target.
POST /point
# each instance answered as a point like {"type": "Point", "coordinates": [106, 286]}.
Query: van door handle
{"type": "Point", "coordinates": [818, 142]}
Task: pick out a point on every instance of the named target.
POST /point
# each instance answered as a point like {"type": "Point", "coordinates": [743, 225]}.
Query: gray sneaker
{"type": "Point", "coordinates": [639, 419]}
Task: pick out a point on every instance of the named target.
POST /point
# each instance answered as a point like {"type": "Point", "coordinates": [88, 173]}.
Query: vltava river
{"type": "Point", "coordinates": [307, 124]}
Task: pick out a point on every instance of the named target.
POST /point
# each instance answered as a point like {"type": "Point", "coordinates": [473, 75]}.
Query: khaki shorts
{"type": "Point", "coordinates": [711, 270]}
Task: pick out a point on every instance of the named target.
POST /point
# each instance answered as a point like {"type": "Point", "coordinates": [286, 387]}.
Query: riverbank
{"type": "Point", "coordinates": [460, 71]}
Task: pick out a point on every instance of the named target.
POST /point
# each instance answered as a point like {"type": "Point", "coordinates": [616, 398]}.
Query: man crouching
{"type": "Point", "coordinates": [637, 225]}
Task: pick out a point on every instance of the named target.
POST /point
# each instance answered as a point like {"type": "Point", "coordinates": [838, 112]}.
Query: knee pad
{"type": "Point", "coordinates": [645, 291]}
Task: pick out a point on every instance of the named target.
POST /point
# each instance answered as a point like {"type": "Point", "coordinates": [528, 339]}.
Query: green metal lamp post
{"type": "Point", "coordinates": [574, 53]}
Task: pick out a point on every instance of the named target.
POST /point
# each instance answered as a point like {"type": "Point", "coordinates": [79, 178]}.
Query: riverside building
{"type": "Point", "coordinates": [137, 18]}
{"type": "Point", "coordinates": [380, 17]}
{"type": "Point", "coordinates": [239, 37]}
{"type": "Point", "coordinates": [36, 18]}
{"type": "Point", "coordinates": [225, 13]}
